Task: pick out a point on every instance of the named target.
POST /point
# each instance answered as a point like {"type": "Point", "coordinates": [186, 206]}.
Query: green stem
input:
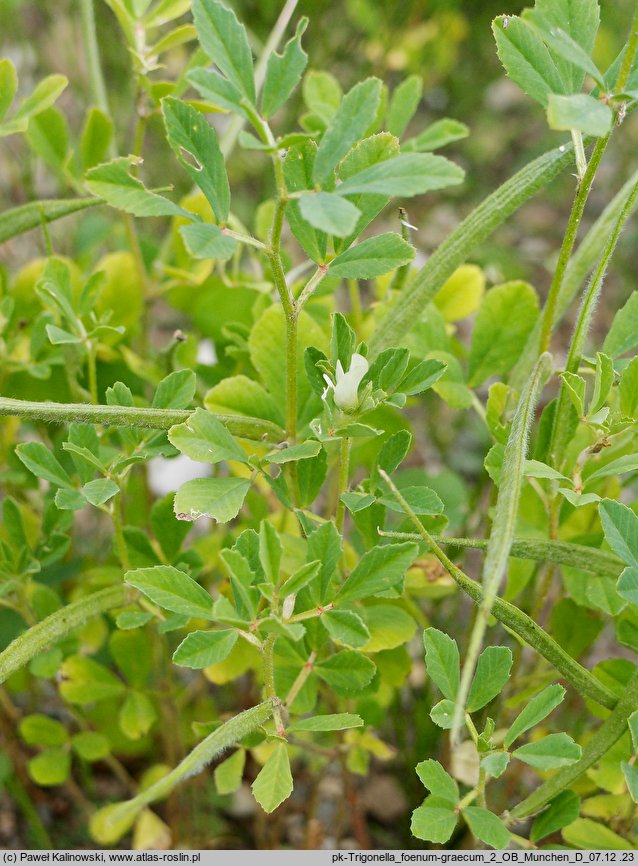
{"type": "Point", "coordinates": [311, 285]}
{"type": "Point", "coordinates": [602, 741]}
{"type": "Point", "coordinates": [269, 684]}
{"type": "Point", "coordinates": [290, 308]}
{"type": "Point", "coordinates": [113, 821]}
{"type": "Point", "coordinates": [291, 379]}
{"type": "Point", "coordinates": [311, 614]}
{"type": "Point", "coordinates": [503, 526]}
{"type": "Point", "coordinates": [244, 238]}
{"type": "Point", "coordinates": [562, 552]}
{"type": "Point", "coordinates": [303, 675]}
{"type": "Point", "coordinates": [133, 416]}
{"type": "Point", "coordinates": [344, 473]}
{"type": "Point", "coordinates": [475, 228]}
{"type": "Point", "coordinates": [582, 194]}
{"type": "Point", "coordinates": [56, 626]}
{"type": "Point", "coordinates": [514, 619]}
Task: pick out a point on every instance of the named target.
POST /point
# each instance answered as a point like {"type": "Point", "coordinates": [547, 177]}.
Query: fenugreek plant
{"type": "Point", "coordinates": [270, 605]}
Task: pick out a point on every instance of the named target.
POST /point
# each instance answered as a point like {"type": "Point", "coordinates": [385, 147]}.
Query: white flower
{"type": "Point", "coordinates": [347, 386]}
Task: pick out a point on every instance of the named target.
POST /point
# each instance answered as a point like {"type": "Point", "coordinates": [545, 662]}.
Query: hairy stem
{"type": "Point", "coordinates": [562, 552]}
{"type": "Point", "coordinates": [56, 626]}
{"type": "Point", "coordinates": [116, 820]}
{"type": "Point", "coordinates": [133, 416]}
{"type": "Point", "coordinates": [269, 684]}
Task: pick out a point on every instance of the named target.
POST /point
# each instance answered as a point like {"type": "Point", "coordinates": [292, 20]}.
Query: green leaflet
{"type": "Point", "coordinates": [408, 174]}
{"type": "Point", "coordinates": [492, 672]}
{"type": "Point", "coordinates": [45, 94]}
{"type": "Point", "coordinates": [175, 391]}
{"type": "Point", "coordinates": [229, 773]}
{"type": "Point", "coordinates": [577, 24]}
{"type": "Point", "coordinates": [348, 125]}
{"type": "Point", "coordinates": [329, 213]}
{"type": "Point", "coordinates": [379, 569]}
{"type": "Point", "coordinates": [372, 257]}
{"type": "Point", "coordinates": [438, 134]}
{"type": "Point", "coordinates": [563, 809]}
{"type": "Point", "coordinates": [503, 323]}
{"type": "Point", "coordinates": [225, 41]}
{"type": "Point", "coordinates": [8, 85]}
{"type": "Point", "coordinates": [172, 589]}
{"type": "Point", "coordinates": [620, 525]}
{"type": "Point", "coordinates": [526, 58]}
{"type": "Point", "coordinates": [487, 827]}
{"type": "Point", "coordinates": [550, 752]}
{"type": "Point", "coordinates": [284, 72]}
{"type": "Point", "coordinates": [435, 820]}
{"type": "Point", "coordinates": [39, 460]}
{"type": "Point", "coordinates": [438, 782]}
{"type": "Point", "coordinates": [196, 147]}
{"type": "Point", "coordinates": [206, 241]}
{"type": "Point", "coordinates": [204, 438]}
{"type": "Point", "coordinates": [579, 111]}
{"type": "Point", "coordinates": [200, 649]}
{"type": "Point", "coordinates": [442, 661]}
{"type": "Point", "coordinates": [218, 498]}
{"type": "Point", "coordinates": [274, 783]}
{"type": "Point", "coordinates": [534, 712]}
{"type": "Point", "coordinates": [113, 182]}
{"type": "Point", "coordinates": [404, 103]}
